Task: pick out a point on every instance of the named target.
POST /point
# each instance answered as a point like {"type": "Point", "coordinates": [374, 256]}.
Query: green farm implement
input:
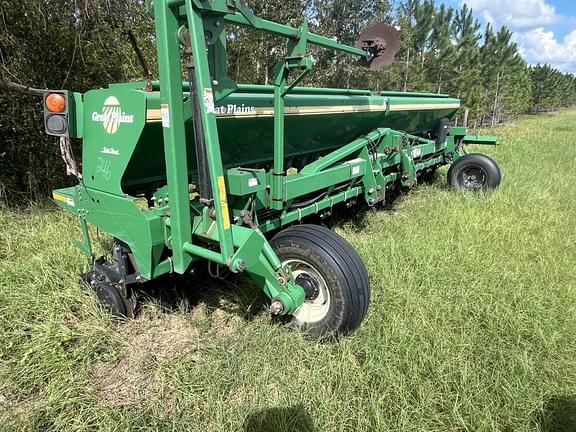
{"type": "Point", "coordinates": [195, 169]}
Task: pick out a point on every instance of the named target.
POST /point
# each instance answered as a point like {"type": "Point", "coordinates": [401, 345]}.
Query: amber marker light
{"type": "Point", "coordinates": [55, 103]}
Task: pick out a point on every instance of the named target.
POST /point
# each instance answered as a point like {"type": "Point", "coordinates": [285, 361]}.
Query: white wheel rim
{"type": "Point", "coordinates": [314, 310]}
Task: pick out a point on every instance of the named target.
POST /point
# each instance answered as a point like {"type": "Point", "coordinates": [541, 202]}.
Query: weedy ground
{"type": "Point", "coordinates": [472, 326]}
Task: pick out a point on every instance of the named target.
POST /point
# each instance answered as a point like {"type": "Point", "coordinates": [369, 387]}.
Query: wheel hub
{"type": "Point", "coordinates": [473, 178]}
{"type": "Point", "coordinates": [317, 295]}
{"type": "Point", "coordinates": [309, 284]}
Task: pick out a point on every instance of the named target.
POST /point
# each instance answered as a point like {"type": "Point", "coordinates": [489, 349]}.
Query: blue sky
{"type": "Point", "coordinates": [545, 30]}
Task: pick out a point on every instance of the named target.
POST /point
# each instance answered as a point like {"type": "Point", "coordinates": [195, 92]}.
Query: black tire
{"type": "Point", "coordinates": [110, 299]}
{"type": "Point", "coordinates": [336, 280]}
{"type": "Point", "coordinates": [474, 172]}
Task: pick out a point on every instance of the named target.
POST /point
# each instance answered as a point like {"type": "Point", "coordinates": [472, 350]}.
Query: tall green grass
{"type": "Point", "coordinates": [472, 326]}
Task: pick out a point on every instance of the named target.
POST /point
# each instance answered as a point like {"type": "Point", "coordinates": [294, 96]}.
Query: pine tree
{"type": "Point", "coordinates": [465, 80]}
{"type": "Point", "coordinates": [443, 47]}
{"type": "Point", "coordinates": [499, 55]}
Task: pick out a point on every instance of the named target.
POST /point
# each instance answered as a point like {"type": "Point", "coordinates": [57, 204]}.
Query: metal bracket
{"type": "Point", "coordinates": [85, 246]}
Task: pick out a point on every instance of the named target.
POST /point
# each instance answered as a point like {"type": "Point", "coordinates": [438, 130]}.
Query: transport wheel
{"type": "Point", "coordinates": [333, 276]}
{"type": "Point", "coordinates": [474, 172]}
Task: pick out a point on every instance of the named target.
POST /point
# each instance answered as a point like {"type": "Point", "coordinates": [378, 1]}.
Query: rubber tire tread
{"type": "Point", "coordinates": [344, 247]}
{"type": "Point", "coordinates": [350, 276]}
{"type": "Point", "coordinates": [346, 325]}
{"type": "Point", "coordinates": [347, 262]}
{"type": "Point", "coordinates": [488, 164]}
{"type": "Point", "coordinates": [354, 258]}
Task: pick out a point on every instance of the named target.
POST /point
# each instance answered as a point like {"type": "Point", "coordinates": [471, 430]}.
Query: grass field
{"type": "Point", "coordinates": [472, 325]}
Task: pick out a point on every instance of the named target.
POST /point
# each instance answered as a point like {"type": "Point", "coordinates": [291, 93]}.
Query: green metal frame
{"type": "Point", "coordinates": [199, 16]}
{"type": "Point", "coordinates": [250, 253]}
{"type": "Point", "coordinates": [169, 16]}
{"type": "Point", "coordinates": [226, 229]}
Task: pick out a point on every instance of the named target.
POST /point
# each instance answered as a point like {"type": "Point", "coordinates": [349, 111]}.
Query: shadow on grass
{"type": "Point", "coordinates": [291, 419]}
{"type": "Point", "coordinates": [356, 218]}
{"type": "Point", "coordinates": [558, 414]}
{"type": "Point", "coordinates": [238, 295]}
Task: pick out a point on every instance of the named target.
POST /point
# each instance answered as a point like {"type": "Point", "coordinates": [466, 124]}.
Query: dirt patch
{"type": "Point", "coordinates": [15, 411]}
{"type": "Point", "coordinates": [223, 324]}
{"type": "Point", "coordinates": [122, 383]}
{"type": "Point", "coordinates": [162, 337]}
{"type": "Point", "coordinates": [150, 340]}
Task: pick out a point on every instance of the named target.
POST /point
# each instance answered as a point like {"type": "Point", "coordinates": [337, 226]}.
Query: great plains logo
{"type": "Point", "coordinates": [112, 116]}
{"type": "Point", "coordinates": [234, 109]}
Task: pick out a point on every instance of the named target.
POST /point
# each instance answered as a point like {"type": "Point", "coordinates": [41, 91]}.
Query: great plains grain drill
{"type": "Point", "coordinates": [195, 170]}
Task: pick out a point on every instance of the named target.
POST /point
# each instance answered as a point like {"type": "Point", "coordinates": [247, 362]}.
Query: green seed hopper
{"type": "Point", "coordinates": [198, 170]}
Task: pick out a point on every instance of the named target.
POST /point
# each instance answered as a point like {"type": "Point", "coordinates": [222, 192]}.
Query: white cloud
{"type": "Point", "coordinates": [541, 46]}
{"type": "Point", "coordinates": [528, 19]}
{"type": "Point", "coordinates": [516, 14]}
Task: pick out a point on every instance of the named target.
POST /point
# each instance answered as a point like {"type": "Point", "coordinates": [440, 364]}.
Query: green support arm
{"type": "Point", "coordinates": [210, 129]}
{"type": "Point", "coordinates": [292, 32]}
{"type": "Point", "coordinates": [174, 132]}
{"type": "Point", "coordinates": [461, 134]}
{"type": "Point", "coordinates": [480, 139]}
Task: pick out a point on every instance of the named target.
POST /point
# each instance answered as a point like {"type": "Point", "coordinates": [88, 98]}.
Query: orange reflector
{"type": "Point", "coordinates": [56, 103]}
